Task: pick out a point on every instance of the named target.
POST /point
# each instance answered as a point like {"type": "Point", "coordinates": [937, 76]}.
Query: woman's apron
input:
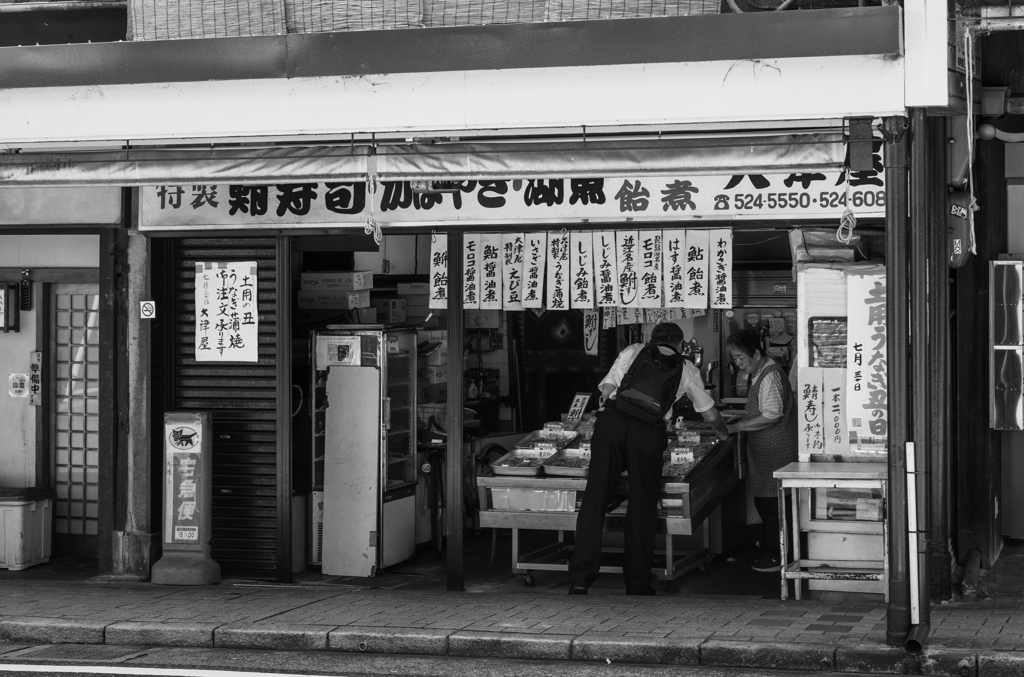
{"type": "Point", "coordinates": [775, 446]}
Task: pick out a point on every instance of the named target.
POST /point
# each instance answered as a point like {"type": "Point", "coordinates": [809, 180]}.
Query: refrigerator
{"type": "Point", "coordinates": [364, 448]}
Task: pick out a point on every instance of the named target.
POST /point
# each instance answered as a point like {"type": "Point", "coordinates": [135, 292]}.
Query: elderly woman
{"type": "Point", "coordinates": [771, 427]}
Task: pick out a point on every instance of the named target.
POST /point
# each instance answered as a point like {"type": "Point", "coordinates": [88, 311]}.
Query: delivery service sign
{"type": "Point", "coordinates": [183, 481]}
{"type": "Point", "coordinates": [812, 194]}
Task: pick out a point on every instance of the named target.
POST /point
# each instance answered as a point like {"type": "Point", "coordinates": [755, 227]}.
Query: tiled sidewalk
{"type": "Point", "coordinates": [680, 629]}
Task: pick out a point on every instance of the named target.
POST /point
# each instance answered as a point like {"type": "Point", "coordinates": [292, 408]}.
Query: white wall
{"type": "Point", "coordinates": [17, 416]}
{"type": "Point", "coordinates": [49, 251]}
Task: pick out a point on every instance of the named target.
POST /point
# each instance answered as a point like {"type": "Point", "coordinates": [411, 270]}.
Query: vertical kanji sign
{"type": "Point", "coordinates": [626, 244]}
{"type": "Point", "coordinates": [837, 437]}
{"type": "Point", "coordinates": [650, 256]}
{"type": "Point", "coordinates": [536, 257]}
{"type": "Point", "coordinates": [866, 363]}
{"type": "Point", "coordinates": [471, 272]}
{"type": "Point", "coordinates": [227, 318]}
{"type": "Point", "coordinates": [606, 271]}
{"type": "Point", "coordinates": [490, 266]}
{"type": "Point", "coordinates": [581, 270]}
{"type": "Point", "coordinates": [512, 258]}
{"type": "Point", "coordinates": [438, 272]}
{"type": "Point", "coordinates": [558, 271]}
{"type": "Point", "coordinates": [673, 265]}
{"type": "Point", "coordinates": [591, 331]}
{"type": "Point", "coordinates": [810, 417]}
{"type": "Point", "coordinates": [695, 272]}
{"type": "Point", "coordinates": [720, 267]}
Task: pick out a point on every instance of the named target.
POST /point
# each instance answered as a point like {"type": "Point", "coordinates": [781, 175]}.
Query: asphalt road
{"type": "Point", "coordinates": [190, 662]}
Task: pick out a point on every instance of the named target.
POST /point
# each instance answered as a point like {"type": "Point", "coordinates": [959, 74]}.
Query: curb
{"type": "Point", "coordinates": [936, 660]}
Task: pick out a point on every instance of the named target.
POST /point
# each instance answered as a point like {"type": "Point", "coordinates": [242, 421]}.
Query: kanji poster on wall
{"type": "Point", "coordinates": [227, 318]}
{"type": "Point", "coordinates": [866, 363]}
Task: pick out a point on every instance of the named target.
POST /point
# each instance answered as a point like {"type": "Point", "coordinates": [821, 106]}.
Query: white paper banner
{"type": "Point", "coordinates": [673, 245]}
{"type": "Point", "coordinates": [650, 269]}
{"type": "Point", "coordinates": [720, 242]}
{"type": "Point", "coordinates": [534, 266]}
{"type": "Point", "coordinates": [512, 245]}
{"type": "Point", "coordinates": [627, 261]}
{"type": "Point", "coordinates": [605, 270]}
{"type": "Point", "coordinates": [558, 272]}
{"type": "Point", "coordinates": [471, 272]}
{"type": "Point", "coordinates": [631, 315]}
{"type": "Point", "coordinates": [837, 437]}
{"type": "Point", "coordinates": [695, 275]}
{"type": "Point", "coordinates": [227, 319]}
{"type": "Point", "coordinates": [609, 318]}
{"type": "Point", "coordinates": [581, 270]}
{"type": "Point", "coordinates": [591, 331]}
{"type": "Point", "coordinates": [490, 267]}
{"type": "Point", "coordinates": [655, 316]}
{"type": "Point", "coordinates": [866, 360]}
{"type": "Point", "coordinates": [810, 416]}
{"type": "Point", "coordinates": [438, 271]}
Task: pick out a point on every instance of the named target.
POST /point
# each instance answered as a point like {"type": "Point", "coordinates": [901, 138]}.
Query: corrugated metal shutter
{"type": "Point", "coordinates": [243, 400]}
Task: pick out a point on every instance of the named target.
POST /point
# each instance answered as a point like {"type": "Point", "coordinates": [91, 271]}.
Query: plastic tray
{"type": "Point", "coordinates": [538, 455]}
{"type": "Point", "coordinates": [548, 439]}
{"type": "Point", "coordinates": [566, 471]}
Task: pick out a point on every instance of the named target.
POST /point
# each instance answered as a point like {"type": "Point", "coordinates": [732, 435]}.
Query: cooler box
{"type": "Point", "coordinates": [26, 515]}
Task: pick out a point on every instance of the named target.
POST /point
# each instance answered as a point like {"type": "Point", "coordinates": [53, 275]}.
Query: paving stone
{"type": "Point", "coordinates": [767, 655]}
{"type": "Point", "coordinates": [52, 630]}
{"type": "Point", "coordinates": [145, 633]}
{"type": "Point", "coordinates": [509, 645]}
{"type": "Point", "coordinates": [667, 651]}
{"type": "Point", "coordinates": [770, 622]}
{"type": "Point", "coordinates": [871, 658]}
{"type": "Point", "coordinates": [280, 637]}
{"type": "Point", "coordinates": [424, 641]}
{"type": "Point", "coordinates": [837, 618]}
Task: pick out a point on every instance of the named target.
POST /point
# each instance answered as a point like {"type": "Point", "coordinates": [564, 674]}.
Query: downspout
{"type": "Point", "coordinates": [896, 245]}
{"type": "Point", "coordinates": [453, 518]}
{"type": "Point", "coordinates": [918, 502]}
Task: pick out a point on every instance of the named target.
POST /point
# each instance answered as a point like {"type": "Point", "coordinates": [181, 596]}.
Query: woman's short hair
{"type": "Point", "coordinates": [746, 341]}
{"type": "Point", "coordinates": [667, 332]}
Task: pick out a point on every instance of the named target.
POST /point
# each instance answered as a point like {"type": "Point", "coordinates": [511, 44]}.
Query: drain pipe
{"type": "Point", "coordinates": [918, 630]}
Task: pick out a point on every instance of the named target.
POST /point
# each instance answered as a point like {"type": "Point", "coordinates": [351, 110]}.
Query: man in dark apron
{"type": "Point", "coordinates": [772, 436]}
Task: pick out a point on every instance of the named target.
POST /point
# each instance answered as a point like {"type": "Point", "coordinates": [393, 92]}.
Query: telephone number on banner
{"type": "Point", "coordinates": [797, 200]}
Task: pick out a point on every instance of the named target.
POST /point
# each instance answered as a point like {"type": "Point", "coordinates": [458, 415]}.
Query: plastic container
{"type": "Point", "coordinates": [552, 467]}
{"type": "Point", "coordinates": [26, 516]}
{"type": "Point", "coordinates": [551, 500]}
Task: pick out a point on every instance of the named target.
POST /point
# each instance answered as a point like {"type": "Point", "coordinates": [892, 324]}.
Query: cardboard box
{"type": "Point", "coordinates": [334, 300]}
{"type": "Point", "coordinates": [390, 311]}
{"type": "Point", "coordinates": [437, 392]}
{"type": "Point", "coordinates": [430, 375]}
{"type": "Point", "coordinates": [436, 358]}
{"type": "Point", "coordinates": [413, 288]}
{"type": "Point", "coordinates": [337, 281]}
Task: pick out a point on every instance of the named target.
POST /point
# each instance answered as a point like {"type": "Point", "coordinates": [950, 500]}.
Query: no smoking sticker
{"type": "Point", "coordinates": [147, 309]}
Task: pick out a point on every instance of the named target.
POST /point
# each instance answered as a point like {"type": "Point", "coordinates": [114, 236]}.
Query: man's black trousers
{"type": "Point", "coordinates": [621, 442]}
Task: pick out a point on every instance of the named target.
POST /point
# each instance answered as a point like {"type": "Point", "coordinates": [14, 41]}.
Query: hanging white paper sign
{"type": "Point", "coordinates": [581, 270]}
{"type": "Point", "coordinates": [631, 315]}
{"type": "Point", "coordinates": [866, 363]}
{"type": "Point", "coordinates": [605, 270]}
{"type": "Point", "coordinates": [837, 437]}
{"type": "Point", "coordinates": [695, 272]}
{"type": "Point", "coordinates": [810, 417]}
{"type": "Point", "coordinates": [720, 267]}
{"type": "Point", "coordinates": [591, 331]}
{"type": "Point", "coordinates": [512, 245]}
{"type": "Point", "coordinates": [558, 272]}
{"type": "Point", "coordinates": [534, 267]}
{"type": "Point", "coordinates": [626, 258]}
{"type": "Point", "coordinates": [471, 271]}
{"type": "Point", "coordinates": [227, 321]}
{"type": "Point", "coordinates": [490, 268]}
{"type": "Point", "coordinates": [673, 264]}
{"type": "Point", "coordinates": [655, 316]}
{"type": "Point", "coordinates": [650, 256]}
{"type": "Point", "coordinates": [609, 318]}
{"type": "Point", "coordinates": [438, 272]}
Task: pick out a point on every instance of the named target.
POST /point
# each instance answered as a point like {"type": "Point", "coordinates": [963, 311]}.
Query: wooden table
{"type": "Point", "coordinates": [873, 574]}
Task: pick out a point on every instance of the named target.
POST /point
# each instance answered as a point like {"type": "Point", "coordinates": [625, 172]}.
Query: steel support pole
{"type": "Point", "coordinates": [454, 521]}
{"type": "Point", "coordinates": [920, 338]}
{"type": "Point", "coordinates": [897, 319]}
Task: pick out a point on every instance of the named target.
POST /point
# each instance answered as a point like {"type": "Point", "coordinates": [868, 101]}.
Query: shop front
{"type": "Point", "coordinates": [331, 391]}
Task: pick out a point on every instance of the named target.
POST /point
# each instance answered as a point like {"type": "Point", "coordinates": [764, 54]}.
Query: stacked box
{"type": "Point", "coordinates": [417, 300]}
{"type": "Point", "coordinates": [390, 311]}
{"type": "Point", "coordinates": [433, 375]}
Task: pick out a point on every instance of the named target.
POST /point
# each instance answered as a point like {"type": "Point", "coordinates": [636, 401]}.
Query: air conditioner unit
{"type": "Point", "coordinates": [317, 537]}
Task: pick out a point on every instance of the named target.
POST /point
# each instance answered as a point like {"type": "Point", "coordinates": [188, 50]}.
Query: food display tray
{"type": "Point", "coordinates": [551, 440]}
{"type": "Point", "coordinates": [537, 455]}
{"type": "Point", "coordinates": [566, 471]}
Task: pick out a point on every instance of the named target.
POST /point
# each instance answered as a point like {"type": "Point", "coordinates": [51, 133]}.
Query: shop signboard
{"type": "Point", "coordinates": [513, 246]}
{"type": "Point", "coordinates": [605, 270]}
{"type": "Point", "coordinates": [866, 361]}
{"type": "Point", "coordinates": [764, 196]}
{"type": "Point", "coordinates": [438, 272]}
{"type": "Point", "coordinates": [471, 272]}
{"type": "Point", "coordinates": [674, 265]}
{"type": "Point", "coordinates": [626, 253]}
{"type": "Point", "coordinates": [695, 269]}
{"type": "Point", "coordinates": [227, 319]}
{"type": "Point", "coordinates": [650, 269]}
{"type": "Point", "coordinates": [558, 272]}
{"type": "Point", "coordinates": [490, 271]}
{"type": "Point", "coordinates": [581, 270]}
{"type": "Point", "coordinates": [183, 479]}
{"type": "Point", "coordinates": [536, 257]}
{"type": "Point", "coordinates": [720, 267]}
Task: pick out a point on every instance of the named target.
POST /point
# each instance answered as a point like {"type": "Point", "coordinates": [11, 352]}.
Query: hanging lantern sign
{"type": "Point", "coordinates": [536, 257]}
{"type": "Point", "coordinates": [558, 271]}
{"type": "Point", "coordinates": [628, 265]}
{"type": "Point", "coordinates": [606, 271]}
{"type": "Point", "coordinates": [512, 270]}
{"type": "Point", "coordinates": [490, 266]}
{"type": "Point", "coordinates": [650, 255]}
{"type": "Point", "coordinates": [581, 270]}
{"type": "Point", "coordinates": [471, 272]}
{"type": "Point", "coordinates": [720, 242]}
{"type": "Point", "coordinates": [695, 276]}
{"type": "Point", "coordinates": [438, 272]}
{"type": "Point", "coordinates": [673, 252]}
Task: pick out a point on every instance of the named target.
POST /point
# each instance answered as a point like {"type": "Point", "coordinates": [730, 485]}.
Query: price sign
{"type": "Point", "coordinates": [579, 405]}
